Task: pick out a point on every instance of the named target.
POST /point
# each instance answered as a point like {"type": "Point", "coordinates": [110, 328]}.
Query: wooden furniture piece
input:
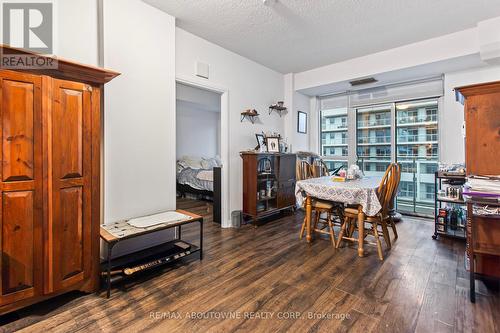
{"type": "Point", "coordinates": [118, 269]}
{"type": "Point", "coordinates": [385, 192]}
{"type": "Point", "coordinates": [360, 193]}
{"type": "Point", "coordinates": [483, 239]}
{"type": "Point", "coordinates": [304, 170]}
{"type": "Point", "coordinates": [319, 207]}
{"type": "Point", "coordinates": [320, 169]}
{"type": "Point", "coordinates": [268, 183]}
{"type": "Point", "coordinates": [482, 144]}
{"type": "Point", "coordinates": [250, 115]}
{"type": "Point", "coordinates": [50, 126]}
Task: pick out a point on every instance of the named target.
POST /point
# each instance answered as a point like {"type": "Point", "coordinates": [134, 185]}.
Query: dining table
{"type": "Point", "coordinates": [361, 192]}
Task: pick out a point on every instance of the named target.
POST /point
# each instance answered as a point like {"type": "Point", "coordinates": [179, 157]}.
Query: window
{"type": "Point", "coordinates": [334, 137]}
{"type": "Point", "coordinates": [417, 151]}
{"type": "Point", "coordinates": [374, 139]}
{"type": "Point", "coordinates": [396, 122]}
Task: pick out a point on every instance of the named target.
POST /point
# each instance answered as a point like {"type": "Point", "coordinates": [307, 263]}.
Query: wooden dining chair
{"type": "Point", "coordinates": [390, 221]}
{"type": "Point", "coordinates": [304, 170]}
{"type": "Point", "coordinates": [320, 169]}
{"type": "Point", "coordinates": [320, 225]}
{"type": "Point", "coordinates": [385, 193]}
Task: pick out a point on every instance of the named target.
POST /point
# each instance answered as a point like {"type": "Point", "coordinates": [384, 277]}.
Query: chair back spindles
{"type": "Point", "coordinates": [397, 168]}
{"type": "Point", "coordinates": [324, 169]}
{"type": "Point", "coordinates": [304, 170]}
{"type": "Point", "coordinates": [388, 187]}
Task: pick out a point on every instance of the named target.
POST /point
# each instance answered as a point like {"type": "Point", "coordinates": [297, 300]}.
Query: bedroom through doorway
{"type": "Point", "coordinates": [198, 150]}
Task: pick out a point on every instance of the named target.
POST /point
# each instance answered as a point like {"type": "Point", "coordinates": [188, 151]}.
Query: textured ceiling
{"type": "Point", "coordinates": [296, 35]}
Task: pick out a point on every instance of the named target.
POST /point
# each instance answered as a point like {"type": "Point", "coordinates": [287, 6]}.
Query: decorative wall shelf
{"type": "Point", "coordinates": [277, 108]}
{"type": "Point", "coordinates": [250, 115]}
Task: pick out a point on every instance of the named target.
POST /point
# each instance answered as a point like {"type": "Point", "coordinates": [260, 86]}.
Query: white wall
{"type": "Point", "coordinates": [249, 84]}
{"type": "Point", "coordinates": [452, 115]}
{"type": "Point", "coordinates": [301, 141]}
{"type": "Point", "coordinates": [295, 102]}
{"type": "Point", "coordinates": [139, 111]}
{"type": "Point", "coordinates": [77, 35]}
{"type": "Point", "coordinates": [198, 131]}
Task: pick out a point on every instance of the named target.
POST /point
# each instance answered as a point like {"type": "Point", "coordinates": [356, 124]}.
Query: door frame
{"type": "Point", "coordinates": [224, 139]}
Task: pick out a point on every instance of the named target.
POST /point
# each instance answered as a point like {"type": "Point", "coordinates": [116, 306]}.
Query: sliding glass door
{"type": "Point", "coordinates": [392, 123]}
{"type": "Point", "coordinates": [414, 141]}
{"type": "Point", "coordinates": [417, 152]}
{"type": "Point", "coordinates": [373, 135]}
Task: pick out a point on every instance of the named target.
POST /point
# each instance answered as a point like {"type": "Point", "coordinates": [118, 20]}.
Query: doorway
{"type": "Point", "coordinates": [201, 149]}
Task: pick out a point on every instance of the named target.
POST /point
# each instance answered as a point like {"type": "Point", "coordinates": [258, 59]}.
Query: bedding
{"type": "Point", "coordinates": [207, 175]}
{"type": "Point", "coordinates": [190, 162]}
{"type": "Point", "coordinates": [190, 177]}
{"type": "Point", "coordinates": [197, 172]}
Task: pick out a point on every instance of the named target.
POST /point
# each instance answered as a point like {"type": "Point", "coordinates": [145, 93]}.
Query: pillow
{"type": "Point", "coordinates": [209, 163]}
{"type": "Point", "coordinates": [190, 162]}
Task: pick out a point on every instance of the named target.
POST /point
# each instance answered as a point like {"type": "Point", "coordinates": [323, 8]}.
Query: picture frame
{"type": "Point", "coordinates": [302, 122]}
{"type": "Point", "coordinates": [261, 141]}
{"type": "Point", "coordinates": [273, 144]}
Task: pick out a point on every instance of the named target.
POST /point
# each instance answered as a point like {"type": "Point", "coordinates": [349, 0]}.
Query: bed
{"type": "Point", "coordinates": [195, 176]}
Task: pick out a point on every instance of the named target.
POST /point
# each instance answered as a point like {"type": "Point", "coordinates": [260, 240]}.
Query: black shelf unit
{"type": "Point", "coordinates": [117, 269]}
{"type": "Point", "coordinates": [460, 231]}
{"type": "Point", "coordinates": [148, 259]}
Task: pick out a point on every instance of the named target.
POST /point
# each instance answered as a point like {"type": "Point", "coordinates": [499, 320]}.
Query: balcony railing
{"type": "Point", "coordinates": [332, 127]}
{"type": "Point", "coordinates": [374, 139]}
{"type": "Point", "coordinates": [415, 197]}
{"type": "Point", "coordinates": [334, 142]}
{"type": "Point", "coordinates": [375, 122]}
{"type": "Point", "coordinates": [417, 119]}
{"type": "Point", "coordinates": [417, 138]}
{"type": "Point", "coordinates": [431, 156]}
{"type": "Point", "coordinates": [368, 156]}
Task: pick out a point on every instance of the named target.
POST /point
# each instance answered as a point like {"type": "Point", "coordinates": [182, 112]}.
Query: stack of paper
{"type": "Point", "coordinates": [483, 185]}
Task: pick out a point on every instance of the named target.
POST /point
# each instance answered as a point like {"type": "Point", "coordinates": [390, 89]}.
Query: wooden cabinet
{"type": "Point", "coordinates": [268, 183]}
{"type": "Point", "coordinates": [50, 178]}
{"type": "Point", "coordinates": [21, 205]}
{"type": "Point", "coordinates": [482, 147]}
{"type": "Point", "coordinates": [70, 188]}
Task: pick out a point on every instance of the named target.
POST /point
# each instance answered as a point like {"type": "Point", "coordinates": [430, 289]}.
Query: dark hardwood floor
{"type": "Point", "coordinates": [266, 280]}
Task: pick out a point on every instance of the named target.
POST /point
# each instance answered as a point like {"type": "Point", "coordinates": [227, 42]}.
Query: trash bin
{"type": "Point", "coordinates": [236, 218]}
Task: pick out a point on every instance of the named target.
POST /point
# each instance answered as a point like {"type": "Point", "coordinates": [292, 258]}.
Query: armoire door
{"type": "Point", "coordinates": [69, 195]}
{"type": "Point", "coordinates": [21, 186]}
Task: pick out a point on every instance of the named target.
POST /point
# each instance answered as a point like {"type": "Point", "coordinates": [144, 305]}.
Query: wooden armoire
{"type": "Point", "coordinates": [50, 127]}
{"type": "Point", "coordinates": [482, 157]}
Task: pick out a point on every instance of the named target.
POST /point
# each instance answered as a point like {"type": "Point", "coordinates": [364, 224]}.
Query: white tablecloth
{"type": "Point", "coordinates": [353, 192]}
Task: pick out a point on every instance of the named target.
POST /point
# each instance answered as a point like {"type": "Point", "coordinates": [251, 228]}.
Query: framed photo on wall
{"type": "Point", "coordinates": [301, 122]}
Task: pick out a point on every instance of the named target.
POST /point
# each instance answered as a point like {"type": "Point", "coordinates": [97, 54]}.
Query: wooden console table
{"type": "Point", "coordinates": [125, 266]}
